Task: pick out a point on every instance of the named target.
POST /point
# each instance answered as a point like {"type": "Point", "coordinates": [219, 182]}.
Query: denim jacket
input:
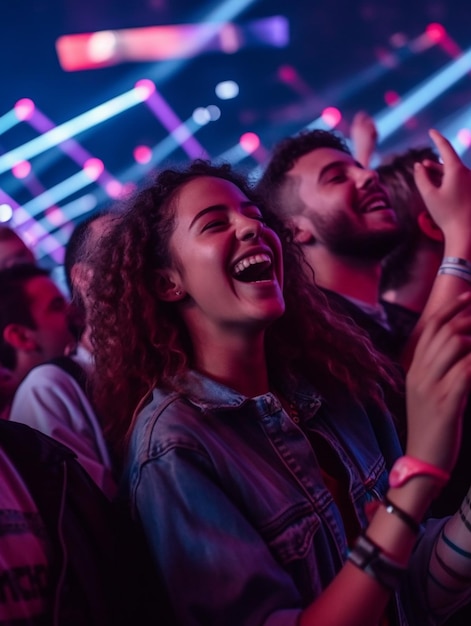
{"type": "Point", "coordinates": [231, 498]}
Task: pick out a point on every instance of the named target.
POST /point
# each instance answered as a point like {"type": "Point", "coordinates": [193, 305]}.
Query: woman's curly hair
{"type": "Point", "coordinates": [140, 342]}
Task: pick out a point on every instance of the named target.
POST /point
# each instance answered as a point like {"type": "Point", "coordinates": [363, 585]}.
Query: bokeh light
{"type": "Point", "coordinates": [391, 98]}
{"type": "Point", "coordinates": [6, 213]}
{"type": "Point", "coordinates": [101, 46]}
{"type": "Point", "coordinates": [114, 188]}
{"type": "Point", "coordinates": [93, 168]}
{"type": "Point", "coordinates": [21, 169]}
{"type": "Point", "coordinates": [464, 137]}
{"type": "Point", "coordinates": [145, 88]}
{"type": "Point", "coordinates": [287, 74]}
{"type": "Point", "coordinates": [249, 142]}
{"type": "Point", "coordinates": [24, 109]}
{"type": "Point", "coordinates": [227, 89]}
{"type": "Point", "coordinates": [142, 154]}
{"type": "Point", "coordinates": [436, 32]}
{"type": "Point", "coordinates": [201, 116]}
{"type": "Point", "coordinates": [331, 117]}
{"type": "Point", "coordinates": [214, 112]}
{"type": "Point", "coordinates": [55, 216]}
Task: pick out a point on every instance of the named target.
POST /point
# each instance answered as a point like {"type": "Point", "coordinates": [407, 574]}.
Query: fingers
{"type": "Point", "coordinates": [444, 147]}
{"type": "Point", "coordinates": [434, 171]}
{"type": "Point", "coordinates": [360, 117]}
{"type": "Point", "coordinates": [422, 180]}
{"type": "Point", "coordinates": [435, 409]}
{"type": "Point", "coordinates": [458, 378]}
{"type": "Point", "coordinates": [438, 383]}
{"type": "Point", "coordinates": [425, 173]}
{"type": "Point", "coordinates": [445, 339]}
{"type": "Point", "coordinates": [443, 316]}
{"type": "Point", "coordinates": [363, 121]}
{"type": "Point", "coordinates": [433, 165]}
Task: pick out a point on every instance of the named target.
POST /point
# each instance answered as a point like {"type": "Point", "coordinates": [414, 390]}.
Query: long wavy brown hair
{"type": "Point", "coordinates": [140, 341]}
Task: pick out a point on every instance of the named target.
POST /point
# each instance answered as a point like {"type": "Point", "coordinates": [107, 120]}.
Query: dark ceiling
{"type": "Point", "coordinates": [333, 45]}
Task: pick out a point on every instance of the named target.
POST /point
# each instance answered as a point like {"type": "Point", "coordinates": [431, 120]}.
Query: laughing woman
{"type": "Point", "coordinates": [253, 427]}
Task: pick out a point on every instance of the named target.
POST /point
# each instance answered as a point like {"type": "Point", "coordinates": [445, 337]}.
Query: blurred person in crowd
{"type": "Point", "coordinates": [13, 250]}
{"type": "Point", "coordinates": [34, 326]}
{"type": "Point", "coordinates": [83, 239]}
{"type": "Point", "coordinates": [54, 398]}
{"type": "Point", "coordinates": [67, 556]}
{"type": "Point", "coordinates": [409, 271]}
{"type": "Point", "coordinates": [8, 386]}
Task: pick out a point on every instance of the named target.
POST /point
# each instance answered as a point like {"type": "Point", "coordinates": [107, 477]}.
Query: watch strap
{"type": "Point", "coordinates": [371, 559]}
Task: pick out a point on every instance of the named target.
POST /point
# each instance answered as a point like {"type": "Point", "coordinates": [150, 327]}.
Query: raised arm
{"type": "Point", "coordinates": [438, 384]}
{"type": "Point", "coordinates": [450, 206]}
{"type": "Point", "coordinates": [364, 136]}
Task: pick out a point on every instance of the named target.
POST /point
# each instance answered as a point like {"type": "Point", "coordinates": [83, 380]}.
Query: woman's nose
{"type": "Point", "coordinates": [248, 228]}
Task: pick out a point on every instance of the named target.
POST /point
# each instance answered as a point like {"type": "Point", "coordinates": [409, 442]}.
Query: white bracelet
{"type": "Point", "coordinates": [455, 271]}
{"type": "Point", "coordinates": [455, 260]}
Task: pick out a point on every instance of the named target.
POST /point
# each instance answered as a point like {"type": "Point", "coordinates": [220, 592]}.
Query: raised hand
{"type": "Point", "coordinates": [438, 383]}
{"type": "Point", "coordinates": [448, 201]}
{"type": "Point", "coordinates": [364, 136]}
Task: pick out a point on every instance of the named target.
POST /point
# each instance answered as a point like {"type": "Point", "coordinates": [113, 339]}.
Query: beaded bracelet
{"type": "Point", "coordinates": [402, 515]}
{"type": "Point", "coordinates": [370, 558]}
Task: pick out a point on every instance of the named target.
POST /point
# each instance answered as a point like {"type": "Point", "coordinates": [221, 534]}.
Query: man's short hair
{"type": "Point", "coordinates": [274, 185]}
{"type": "Point", "coordinates": [76, 247]}
{"type": "Point", "coordinates": [13, 250]}
{"type": "Point", "coordinates": [397, 174]}
{"type": "Point", "coordinates": [15, 306]}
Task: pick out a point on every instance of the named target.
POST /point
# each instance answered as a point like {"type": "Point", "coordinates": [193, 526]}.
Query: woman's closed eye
{"type": "Point", "coordinates": [214, 224]}
{"type": "Point", "coordinates": [256, 215]}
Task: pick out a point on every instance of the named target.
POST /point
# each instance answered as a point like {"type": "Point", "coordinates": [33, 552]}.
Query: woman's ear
{"type": "Point", "coordinates": [428, 226]}
{"type": "Point", "coordinates": [168, 286]}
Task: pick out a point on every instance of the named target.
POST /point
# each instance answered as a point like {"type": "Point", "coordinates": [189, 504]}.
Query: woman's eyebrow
{"type": "Point", "coordinates": [218, 207]}
{"type": "Point", "coordinates": [209, 209]}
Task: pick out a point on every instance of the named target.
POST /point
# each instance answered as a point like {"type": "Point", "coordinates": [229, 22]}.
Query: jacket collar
{"type": "Point", "coordinates": [208, 394]}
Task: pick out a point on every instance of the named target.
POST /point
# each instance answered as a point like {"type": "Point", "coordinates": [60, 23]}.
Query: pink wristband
{"type": "Point", "coordinates": [406, 467]}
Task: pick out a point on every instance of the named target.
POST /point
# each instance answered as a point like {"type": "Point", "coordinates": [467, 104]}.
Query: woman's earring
{"type": "Point", "coordinates": [178, 292]}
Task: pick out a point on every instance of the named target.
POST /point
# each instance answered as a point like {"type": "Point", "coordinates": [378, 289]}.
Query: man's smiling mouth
{"type": "Point", "coordinates": [376, 202]}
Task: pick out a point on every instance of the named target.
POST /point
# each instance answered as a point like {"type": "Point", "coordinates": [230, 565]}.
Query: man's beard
{"type": "Point", "coordinates": [343, 238]}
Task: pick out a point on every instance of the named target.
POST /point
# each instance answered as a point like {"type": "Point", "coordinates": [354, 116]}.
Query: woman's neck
{"type": "Point", "coordinates": [236, 362]}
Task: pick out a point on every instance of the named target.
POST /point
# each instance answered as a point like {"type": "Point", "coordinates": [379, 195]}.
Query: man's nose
{"type": "Point", "coordinates": [366, 177]}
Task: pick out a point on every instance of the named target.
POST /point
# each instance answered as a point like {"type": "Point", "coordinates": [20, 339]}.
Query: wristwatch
{"type": "Point", "coordinates": [370, 558]}
{"type": "Point", "coordinates": [406, 467]}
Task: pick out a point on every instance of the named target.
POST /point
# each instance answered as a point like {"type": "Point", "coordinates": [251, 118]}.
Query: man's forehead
{"type": "Point", "coordinates": [313, 162]}
{"type": "Point", "coordinates": [42, 288]}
